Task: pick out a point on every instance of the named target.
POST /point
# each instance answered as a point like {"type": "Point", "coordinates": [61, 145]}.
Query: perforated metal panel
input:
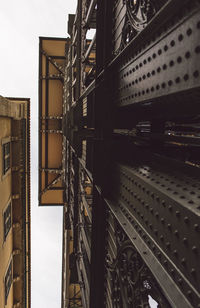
{"type": "Point", "coordinates": [162, 206]}
{"type": "Point", "coordinates": [164, 63]}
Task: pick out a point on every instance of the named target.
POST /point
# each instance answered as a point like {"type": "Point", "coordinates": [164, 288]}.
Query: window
{"type": "Point", "coordinates": [7, 220]}
{"type": "Point", "coordinates": [8, 281]}
{"type": "Point", "coordinates": [6, 157]}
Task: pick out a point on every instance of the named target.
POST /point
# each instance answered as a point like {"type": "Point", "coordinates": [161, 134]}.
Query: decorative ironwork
{"type": "Point", "coordinates": [139, 12]}
{"type": "Point", "coordinates": [138, 15]}
{"type": "Point", "coordinates": [133, 285]}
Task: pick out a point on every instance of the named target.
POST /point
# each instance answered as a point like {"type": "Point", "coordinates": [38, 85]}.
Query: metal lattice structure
{"type": "Point", "coordinates": [131, 120]}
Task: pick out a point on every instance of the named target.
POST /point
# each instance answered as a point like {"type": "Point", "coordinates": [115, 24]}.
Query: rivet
{"type": "Point", "coordinates": [169, 226]}
{"type": "Point", "coordinates": [168, 244]}
{"type": "Point", "coordinates": [193, 271]}
{"type": "Point", "coordinates": [180, 280]}
{"type": "Point", "coordinates": [196, 227]}
{"type": "Point", "coordinates": [194, 249]}
{"type": "Point", "coordinates": [179, 59]}
{"type": "Point", "coordinates": [185, 240]}
{"type": "Point", "coordinates": [197, 49]}
{"type": "Point", "coordinates": [189, 293]}
{"type": "Point", "coordinates": [170, 208]}
{"type": "Point", "coordinates": [172, 43]}
{"type": "Point", "coordinates": [198, 25]}
{"type": "Point", "coordinates": [172, 271]}
{"type": "Point", "coordinates": [177, 213]}
{"type": "Point", "coordinates": [161, 237]}
{"type": "Point", "coordinates": [175, 252]}
{"type": "Point", "coordinates": [162, 220]}
{"type": "Point", "coordinates": [156, 231]}
{"type": "Point", "coordinates": [180, 37]}
{"type": "Point", "coordinates": [196, 74]}
{"type": "Point", "coordinates": [186, 219]}
{"type": "Point", "coordinates": [183, 261]}
{"type": "Point", "coordinates": [165, 48]}
{"type": "Point", "coordinates": [176, 232]}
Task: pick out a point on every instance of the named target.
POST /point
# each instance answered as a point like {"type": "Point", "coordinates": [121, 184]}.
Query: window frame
{"type": "Point", "coordinates": [6, 156]}
{"type": "Point", "coordinates": [8, 280]}
{"type": "Point", "coordinates": [7, 220]}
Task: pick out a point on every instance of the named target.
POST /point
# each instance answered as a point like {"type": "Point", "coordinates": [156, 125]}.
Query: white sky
{"type": "Point", "coordinates": [21, 23]}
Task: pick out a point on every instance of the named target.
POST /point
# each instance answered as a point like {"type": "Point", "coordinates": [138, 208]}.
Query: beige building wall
{"type": "Point", "coordinates": [15, 194]}
{"type": "Point", "coordinates": [5, 198]}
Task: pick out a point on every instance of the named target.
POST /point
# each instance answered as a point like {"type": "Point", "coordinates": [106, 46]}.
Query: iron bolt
{"type": "Point", "coordinates": [186, 219]}
{"type": "Point", "coordinates": [176, 232]}
{"type": "Point", "coordinates": [185, 240]}
{"type": "Point", "coordinates": [194, 249]}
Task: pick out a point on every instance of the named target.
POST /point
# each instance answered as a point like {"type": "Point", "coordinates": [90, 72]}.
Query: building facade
{"type": "Point", "coordinates": [130, 154]}
{"type": "Point", "coordinates": [14, 202]}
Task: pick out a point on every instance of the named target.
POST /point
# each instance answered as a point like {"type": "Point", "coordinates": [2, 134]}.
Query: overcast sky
{"type": "Point", "coordinates": [21, 24]}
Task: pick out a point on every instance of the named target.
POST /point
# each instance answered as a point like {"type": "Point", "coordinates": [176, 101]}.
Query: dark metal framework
{"type": "Point", "coordinates": [132, 143]}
